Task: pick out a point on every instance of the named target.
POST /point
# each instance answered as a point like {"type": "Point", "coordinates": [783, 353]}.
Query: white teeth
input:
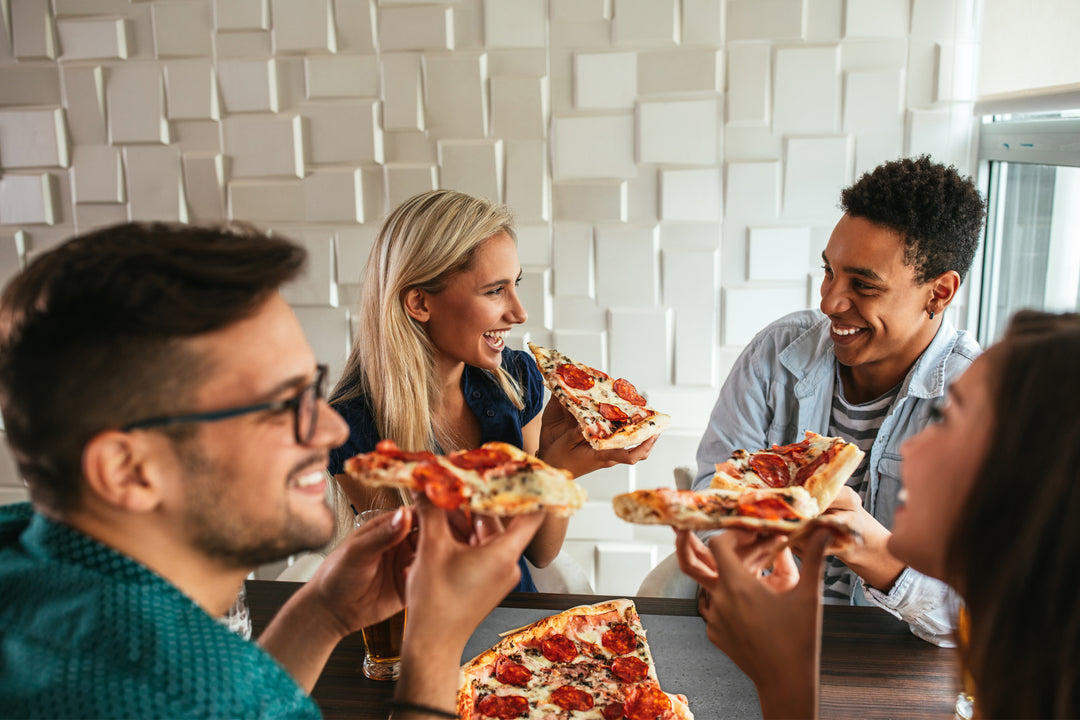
{"type": "Point", "coordinates": [845, 333]}
{"type": "Point", "coordinates": [312, 478]}
{"type": "Point", "coordinates": [902, 495]}
{"type": "Point", "coordinates": [497, 336]}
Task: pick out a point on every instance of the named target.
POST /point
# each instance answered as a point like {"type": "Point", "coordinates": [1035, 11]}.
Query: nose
{"type": "Point", "coordinates": [516, 311]}
{"type": "Point", "coordinates": [331, 430]}
{"type": "Point", "coordinates": [833, 299]}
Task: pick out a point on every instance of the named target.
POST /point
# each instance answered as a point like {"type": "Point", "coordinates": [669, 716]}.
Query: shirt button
{"type": "Point", "coordinates": [490, 413]}
{"type": "Point", "coordinates": [476, 393]}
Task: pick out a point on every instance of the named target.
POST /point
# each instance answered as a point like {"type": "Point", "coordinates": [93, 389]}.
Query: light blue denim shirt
{"type": "Point", "coordinates": [782, 385]}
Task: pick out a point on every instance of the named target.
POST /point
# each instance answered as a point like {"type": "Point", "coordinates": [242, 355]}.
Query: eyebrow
{"type": "Point", "coordinates": [855, 270]}
{"type": "Point", "coordinates": [504, 281]}
{"type": "Point", "coordinates": [293, 383]}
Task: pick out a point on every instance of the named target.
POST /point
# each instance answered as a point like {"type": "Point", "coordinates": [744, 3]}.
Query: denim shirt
{"type": "Point", "coordinates": [782, 385]}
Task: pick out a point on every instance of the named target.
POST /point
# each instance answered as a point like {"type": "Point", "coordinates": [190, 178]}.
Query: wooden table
{"type": "Point", "coordinates": [872, 666]}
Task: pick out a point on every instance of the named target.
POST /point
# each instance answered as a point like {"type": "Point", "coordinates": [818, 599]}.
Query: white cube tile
{"type": "Point", "coordinates": [825, 21]}
{"type": "Point", "coordinates": [752, 191]}
{"type": "Point", "coordinates": [957, 65]}
{"type": "Point", "coordinates": [455, 91]}
{"type": "Point", "coordinates": [630, 330]}
{"type": "Point", "coordinates": [84, 88]}
{"type": "Point", "coordinates": [590, 347]}
{"type": "Point", "coordinates": [778, 253]}
{"type": "Point", "coordinates": [877, 54]}
{"type": "Point", "coordinates": [204, 186]}
{"type": "Point", "coordinates": [32, 29]}
{"type": "Point", "coordinates": [573, 259]}
{"type": "Point", "coordinates": [528, 62]}
{"type": "Point", "coordinates": [135, 97]}
{"type": "Point", "coordinates": [597, 519]}
{"type": "Point", "coordinates": [355, 25]}
{"type": "Point", "coordinates": [806, 96]}
{"type": "Point", "coordinates": [675, 448]}
{"type": "Point", "coordinates": [182, 29]}
{"type": "Point", "coordinates": [620, 567]}
{"type": "Point", "coordinates": [815, 171]}
{"type": "Point", "coordinates": [317, 284]}
{"type": "Point", "coordinates": [266, 200]}
{"type": "Point", "coordinates": [248, 85]}
{"type": "Point", "coordinates": [646, 22]}
{"type": "Point", "coordinates": [752, 143]}
{"type": "Point", "coordinates": [333, 196]}
{"type": "Point", "coordinates": [628, 266]}
{"type": "Point", "coordinates": [302, 26]}
{"type": "Point", "coordinates": [155, 187]}
{"type": "Point", "coordinates": [749, 83]}
{"type": "Point", "coordinates": [690, 194]}
{"type": "Point", "coordinates": [534, 243]}
{"type": "Point", "coordinates": [341, 76]}
{"type": "Point", "coordinates": [580, 11]}
{"type": "Point", "coordinates": [343, 131]}
{"type": "Point", "coordinates": [604, 484]}
{"type": "Point", "coordinates": [472, 166]}
{"type": "Point", "coordinates": [84, 39]}
{"type": "Point", "coordinates": [579, 313]}
{"type": "Point", "coordinates": [327, 330]}
{"type": "Point", "coordinates": [416, 28]}
{"type": "Point", "coordinates": [748, 309]}
{"type": "Point", "coordinates": [403, 180]}
{"type": "Point", "coordinates": [605, 80]}
{"type": "Point", "coordinates": [678, 131]}
{"type": "Point", "coordinates": [689, 407]}
{"type": "Point", "coordinates": [403, 107]}
{"type": "Point", "coordinates": [33, 138]}
{"type": "Point", "coordinates": [873, 147]}
{"type": "Point", "coordinates": [703, 22]}
{"type": "Point", "coordinates": [191, 90]}
{"type": "Point", "coordinates": [242, 14]}
{"type": "Point", "coordinates": [197, 136]}
{"type": "Point", "coordinates": [934, 19]}
{"type": "Point", "coordinates": [877, 18]}
{"type": "Point", "coordinates": [690, 289]}
{"type": "Point", "coordinates": [28, 199]}
{"type": "Point", "coordinates": [600, 146]}
{"type": "Point", "coordinates": [534, 292]}
{"type": "Point", "coordinates": [243, 44]}
{"type": "Point", "coordinates": [765, 20]}
{"type": "Point", "coordinates": [519, 107]}
{"type": "Point", "coordinates": [263, 145]}
{"type": "Point", "coordinates": [12, 249]}
{"type": "Point", "coordinates": [99, 174]}
{"type": "Point", "coordinates": [515, 23]}
{"type": "Point", "coordinates": [353, 245]}
{"type": "Point", "coordinates": [678, 235]}
{"type": "Point", "coordinates": [872, 100]}
{"type": "Point", "coordinates": [679, 71]}
{"type": "Point", "coordinates": [527, 186]}
{"type": "Point", "coordinates": [595, 201]}
{"type": "Point", "coordinates": [928, 133]}
{"type": "Point", "coordinates": [29, 84]}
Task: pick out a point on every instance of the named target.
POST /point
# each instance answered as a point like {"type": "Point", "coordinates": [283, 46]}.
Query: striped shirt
{"type": "Point", "coordinates": [857, 424]}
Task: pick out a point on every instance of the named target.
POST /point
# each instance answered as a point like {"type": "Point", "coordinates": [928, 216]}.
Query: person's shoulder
{"type": "Point", "coordinates": [786, 330]}
{"type": "Point", "coordinates": [14, 519]}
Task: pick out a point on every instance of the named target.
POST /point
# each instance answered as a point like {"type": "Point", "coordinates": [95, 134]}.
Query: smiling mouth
{"type": "Point", "coordinates": [496, 338]}
{"type": "Point", "coordinates": [307, 480]}
{"type": "Point", "coordinates": [845, 331]}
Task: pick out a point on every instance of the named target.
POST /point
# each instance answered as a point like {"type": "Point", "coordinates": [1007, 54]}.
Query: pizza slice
{"type": "Point", "coordinates": [493, 479]}
{"type": "Point", "coordinates": [611, 413]}
{"type": "Point", "coordinates": [591, 661]}
{"type": "Point", "coordinates": [820, 464]}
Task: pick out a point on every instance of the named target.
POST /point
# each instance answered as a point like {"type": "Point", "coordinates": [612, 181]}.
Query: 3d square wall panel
{"type": "Point", "coordinates": [84, 88]}
{"type": "Point", "coordinates": [317, 285]}
{"type": "Point", "coordinates": [416, 28]}
{"type": "Point", "coordinates": [33, 138]}
{"type": "Point", "coordinates": [403, 180]}
{"type": "Point", "coordinates": [33, 31]}
{"type": "Point", "coordinates": [679, 235]}
{"type": "Point", "coordinates": [631, 329]}
{"type": "Point", "coordinates": [806, 97]}
{"type": "Point", "coordinates": [527, 185]}
{"type": "Point", "coordinates": [343, 131]}
{"type": "Point", "coordinates": [82, 39]}
{"type": "Point", "coordinates": [692, 194]}
{"type": "Point", "coordinates": [599, 146]}
{"type": "Point", "coordinates": [204, 187]}
{"type": "Point", "coordinates": [590, 201]}
{"type": "Point", "coordinates": [182, 29]}
{"type": "Point", "coordinates": [574, 260]}
{"type": "Point", "coordinates": [28, 199]}
{"type": "Point", "coordinates": [191, 90]}
{"type": "Point", "coordinates": [690, 289]}
{"type": "Point", "coordinates": [29, 84]}
{"type": "Point", "coordinates": [534, 291]}
{"type": "Point", "coordinates": [248, 85]}
{"type": "Point", "coordinates": [580, 11]}
{"type": "Point", "coordinates": [98, 173]}
{"type": "Point", "coordinates": [605, 80]}
{"type": "Point", "coordinates": [135, 98]}
{"type": "Point", "coordinates": [472, 166]}
{"type": "Point", "coordinates": [334, 196]}
{"type": "Point", "coordinates": [779, 253]}
{"type": "Point", "coordinates": [753, 191]}
{"type": "Point", "coordinates": [678, 132]}
{"type": "Point", "coordinates": [154, 184]}
{"type": "Point", "coordinates": [515, 23]}
{"type": "Point", "coordinates": [877, 18]}
{"type": "Point", "coordinates": [635, 251]}
{"type": "Point", "coordinates": [266, 200]}
{"type": "Point", "coordinates": [403, 106]}
{"type": "Point", "coordinates": [815, 171]}
{"type": "Point", "coordinates": [533, 243]}
{"type": "Point", "coordinates": [646, 22]}
{"type": "Point", "coordinates": [341, 76]}
{"type": "Point", "coordinates": [455, 89]}
{"type": "Point", "coordinates": [679, 71]}
{"type": "Point", "coordinates": [873, 100]}
{"type": "Point", "coordinates": [355, 26]}
{"type": "Point", "coordinates": [519, 107]}
{"type": "Point", "coordinates": [748, 309]}
{"type": "Point", "coordinates": [749, 84]}
{"type": "Point", "coordinates": [264, 146]}
{"type": "Point", "coordinates": [242, 14]}
{"type": "Point", "coordinates": [302, 25]}
{"type": "Point", "coordinates": [776, 20]}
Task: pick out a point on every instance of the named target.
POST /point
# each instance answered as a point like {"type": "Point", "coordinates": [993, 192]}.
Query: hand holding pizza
{"type": "Point", "coordinates": [869, 559]}
{"type": "Point", "coordinates": [563, 445]}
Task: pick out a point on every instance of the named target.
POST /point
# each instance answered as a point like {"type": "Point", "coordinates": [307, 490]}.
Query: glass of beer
{"type": "Point", "coordinates": [965, 699]}
{"type": "Point", "coordinates": [382, 641]}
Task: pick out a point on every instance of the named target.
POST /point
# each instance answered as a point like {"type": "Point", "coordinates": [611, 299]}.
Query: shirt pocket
{"type": "Point", "coordinates": [888, 489]}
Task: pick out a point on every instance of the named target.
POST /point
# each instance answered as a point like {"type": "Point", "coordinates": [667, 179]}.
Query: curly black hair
{"type": "Point", "coordinates": [937, 211]}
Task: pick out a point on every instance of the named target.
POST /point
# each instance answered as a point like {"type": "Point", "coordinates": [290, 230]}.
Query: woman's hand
{"type": "Point", "coordinates": [563, 445]}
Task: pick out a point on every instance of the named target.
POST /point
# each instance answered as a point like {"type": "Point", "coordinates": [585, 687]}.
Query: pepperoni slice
{"type": "Point", "coordinates": [768, 508]}
{"type": "Point", "coordinates": [772, 469]}
{"type": "Point", "coordinates": [480, 459]}
{"type": "Point", "coordinates": [558, 648]}
{"type": "Point", "coordinates": [443, 488]}
{"type": "Point", "coordinates": [620, 639]}
{"type": "Point", "coordinates": [630, 669]}
{"type": "Point", "coordinates": [575, 377]}
{"type": "Point", "coordinates": [390, 449]}
{"type": "Point", "coordinates": [646, 702]}
{"type": "Point", "coordinates": [503, 707]}
{"type": "Point", "coordinates": [629, 393]}
{"type": "Point", "coordinates": [807, 470]}
{"type": "Point", "coordinates": [610, 412]}
{"type": "Point", "coordinates": [796, 451]}
{"type": "Point", "coordinates": [511, 673]}
{"type": "Point", "coordinates": [614, 711]}
{"type": "Point", "coordinates": [570, 698]}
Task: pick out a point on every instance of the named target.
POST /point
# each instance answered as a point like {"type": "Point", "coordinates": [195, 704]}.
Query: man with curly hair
{"type": "Point", "coordinates": [871, 367]}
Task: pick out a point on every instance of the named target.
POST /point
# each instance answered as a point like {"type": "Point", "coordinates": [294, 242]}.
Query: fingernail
{"type": "Point", "coordinates": [398, 520]}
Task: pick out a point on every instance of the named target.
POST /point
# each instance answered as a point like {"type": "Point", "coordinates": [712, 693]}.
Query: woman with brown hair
{"type": "Point", "coordinates": [990, 503]}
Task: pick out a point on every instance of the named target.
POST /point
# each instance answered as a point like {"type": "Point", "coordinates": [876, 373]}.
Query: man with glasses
{"type": "Point", "coordinates": [167, 414]}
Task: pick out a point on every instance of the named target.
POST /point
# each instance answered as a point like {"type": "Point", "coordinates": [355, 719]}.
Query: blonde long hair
{"type": "Point", "coordinates": [421, 245]}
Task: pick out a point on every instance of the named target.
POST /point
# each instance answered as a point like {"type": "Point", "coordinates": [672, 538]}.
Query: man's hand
{"type": "Point", "coordinates": [869, 559]}
{"type": "Point", "coordinates": [563, 445]}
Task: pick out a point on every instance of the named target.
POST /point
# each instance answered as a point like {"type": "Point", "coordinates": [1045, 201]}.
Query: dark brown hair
{"type": "Point", "coordinates": [1014, 555]}
{"type": "Point", "coordinates": [91, 334]}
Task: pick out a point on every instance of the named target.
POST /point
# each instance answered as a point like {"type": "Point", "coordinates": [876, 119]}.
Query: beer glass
{"type": "Point", "coordinates": [382, 641]}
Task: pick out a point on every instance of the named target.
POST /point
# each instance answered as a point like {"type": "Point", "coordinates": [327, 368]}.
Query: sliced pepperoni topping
{"type": "Point", "coordinates": [767, 508]}
{"type": "Point", "coordinates": [807, 470]}
{"type": "Point", "coordinates": [443, 488]}
{"type": "Point", "coordinates": [614, 711]}
{"type": "Point", "coordinates": [629, 393]}
{"type": "Point", "coordinates": [479, 459]}
{"type": "Point", "coordinates": [575, 377]}
{"type": "Point", "coordinates": [630, 669]}
{"type": "Point", "coordinates": [558, 648]}
{"type": "Point", "coordinates": [610, 412]}
{"type": "Point", "coordinates": [772, 469]}
{"type": "Point", "coordinates": [571, 698]}
{"type": "Point", "coordinates": [646, 702]}
{"type": "Point", "coordinates": [504, 707]}
{"type": "Point", "coordinates": [795, 451]}
{"type": "Point", "coordinates": [511, 673]}
{"type": "Point", "coordinates": [620, 639]}
{"type": "Point", "coordinates": [390, 449]}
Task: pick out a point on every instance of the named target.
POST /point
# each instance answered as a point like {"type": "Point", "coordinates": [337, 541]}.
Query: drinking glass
{"type": "Point", "coordinates": [382, 641]}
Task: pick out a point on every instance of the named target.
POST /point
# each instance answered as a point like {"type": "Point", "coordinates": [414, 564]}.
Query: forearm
{"type": "Point", "coordinates": [430, 666]}
{"type": "Point", "coordinates": [547, 542]}
{"type": "Point", "coordinates": [302, 636]}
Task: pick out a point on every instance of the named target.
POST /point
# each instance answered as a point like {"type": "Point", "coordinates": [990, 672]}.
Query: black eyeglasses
{"type": "Point", "coordinates": [305, 407]}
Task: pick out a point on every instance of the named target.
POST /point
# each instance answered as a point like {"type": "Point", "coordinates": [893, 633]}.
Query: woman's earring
{"type": "Point", "coordinates": [931, 314]}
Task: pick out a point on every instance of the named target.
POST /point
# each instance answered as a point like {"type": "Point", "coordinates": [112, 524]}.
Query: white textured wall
{"type": "Point", "coordinates": [674, 166]}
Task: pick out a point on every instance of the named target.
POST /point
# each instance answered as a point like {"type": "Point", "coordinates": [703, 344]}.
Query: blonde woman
{"type": "Point", "coordinates": [430, 368]}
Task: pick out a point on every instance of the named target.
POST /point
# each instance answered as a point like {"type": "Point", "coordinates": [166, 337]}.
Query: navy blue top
{"type": "Point", "coordinates": [499, 419]}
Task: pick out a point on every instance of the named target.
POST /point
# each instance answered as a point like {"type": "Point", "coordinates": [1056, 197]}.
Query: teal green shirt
{"type": "Point", "coordinates": [88, 632]}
